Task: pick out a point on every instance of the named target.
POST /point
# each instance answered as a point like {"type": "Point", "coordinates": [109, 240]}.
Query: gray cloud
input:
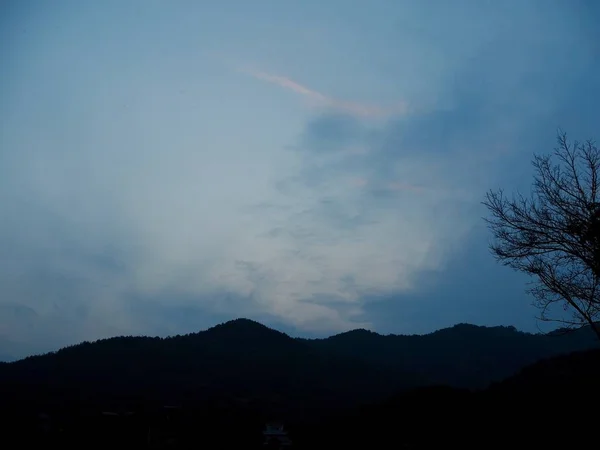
{"type": "Point", "coordinates": [333, 132]}
{"type": "Point", "coordinates": [147, 199]}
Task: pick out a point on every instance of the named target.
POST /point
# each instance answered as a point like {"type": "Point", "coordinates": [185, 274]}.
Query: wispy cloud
{"type": "Point", "coordinates": [320, 99]}
{"type": "Point", "coordinates": [149, 192]}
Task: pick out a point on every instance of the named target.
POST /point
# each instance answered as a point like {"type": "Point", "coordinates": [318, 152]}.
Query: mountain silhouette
{"type": "Point", "coordinates": [464, 356]}
{"type": "Point", "coordinates": [564, 377]}
{"type": "Point", "coordinates": [543, 405]}
{"type": "Point", "coordinates": [245, 359]}
{"type": "Point", "coordinates": [243, 372]}
{"type": "Point", "coordinates": [240, 361]}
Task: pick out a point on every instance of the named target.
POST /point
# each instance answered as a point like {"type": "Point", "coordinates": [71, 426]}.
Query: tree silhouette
{"type": "Point", "coordinates": [554, 234]}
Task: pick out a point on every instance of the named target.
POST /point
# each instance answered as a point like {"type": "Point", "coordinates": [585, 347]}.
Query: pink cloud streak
{"type": "Point", "coordinates": [355, 109]}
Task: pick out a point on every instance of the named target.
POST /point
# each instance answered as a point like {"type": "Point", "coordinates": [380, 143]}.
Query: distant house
{"type": "Point", "coordinates": [276, 437]}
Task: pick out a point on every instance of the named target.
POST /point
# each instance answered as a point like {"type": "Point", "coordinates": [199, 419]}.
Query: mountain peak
{"type": "Point", "coordinates": [359, 333]}
{"type": "Point", "coordinates": [240, 322]}
{"type": "Point", "coordinates": [243, 327]}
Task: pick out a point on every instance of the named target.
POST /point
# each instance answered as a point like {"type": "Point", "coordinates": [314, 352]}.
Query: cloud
{"type": "Point", "coordinates": [152, 194]}
{"type": "Point", "coordinates": [322, 100]}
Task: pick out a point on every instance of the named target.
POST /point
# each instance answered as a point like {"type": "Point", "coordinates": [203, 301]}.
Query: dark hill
{"type": "Point", "coordinates": [245, 329]}
{"type": "Point", "coordinates": [563, 377]}
{"type": "Point", "coordinates": [240, 373]}
{"type": "Point", "coordinates": [250, 362]}
{"type": "Point", "coordinates": [240, 361]}
{"type": "Point", "coordinates": [549, 404]}
{"type": "Point", "coordinates": [465, 356]}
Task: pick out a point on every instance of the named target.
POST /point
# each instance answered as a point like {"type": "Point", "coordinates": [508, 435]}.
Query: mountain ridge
{"type": "Point", "coordinates": [391, 350]}
{"type": "Point", "coordinates": [250, 324]}
{"type": "Point", "coordinates": [245, 367]}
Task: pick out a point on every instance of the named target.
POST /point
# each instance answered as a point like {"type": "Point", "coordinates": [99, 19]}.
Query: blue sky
{"type": "Point", "coordinates": [315, 165]}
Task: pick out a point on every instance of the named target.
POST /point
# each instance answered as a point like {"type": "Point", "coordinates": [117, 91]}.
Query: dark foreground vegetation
{"type": "Point", "coordinates": [465, 386]}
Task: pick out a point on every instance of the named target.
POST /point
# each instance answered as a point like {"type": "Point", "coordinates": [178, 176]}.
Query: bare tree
{"type": "Point", "coordinates": [553, 235]}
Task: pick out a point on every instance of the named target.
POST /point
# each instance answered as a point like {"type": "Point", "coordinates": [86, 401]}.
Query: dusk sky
{"type": "Point", "coordinates": [317, 166]}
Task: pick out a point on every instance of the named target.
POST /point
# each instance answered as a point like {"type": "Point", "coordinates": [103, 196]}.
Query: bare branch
{"type": "Point", "coordinates": [554, 234]}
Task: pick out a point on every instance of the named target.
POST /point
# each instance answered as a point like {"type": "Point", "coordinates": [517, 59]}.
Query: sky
{"type": "Point", "coordinates": [318, 166]}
